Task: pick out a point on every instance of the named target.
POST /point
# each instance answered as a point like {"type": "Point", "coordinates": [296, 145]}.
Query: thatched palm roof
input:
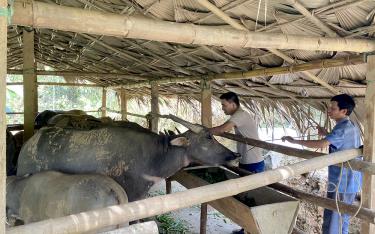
{"type": "Point", "coordinates": [144, 60]}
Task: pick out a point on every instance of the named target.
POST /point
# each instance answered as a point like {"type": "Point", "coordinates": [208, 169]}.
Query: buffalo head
{"type": "Point", "coordinates": [201, 146]}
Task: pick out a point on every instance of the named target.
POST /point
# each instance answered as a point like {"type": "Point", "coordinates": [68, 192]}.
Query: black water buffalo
{"type": "Point", "coordinates": [52, 194]}
{"type": "Point", "coordinates": [133, 156]}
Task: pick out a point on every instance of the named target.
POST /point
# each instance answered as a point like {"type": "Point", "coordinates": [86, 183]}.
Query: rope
{"type": "Point", "coordinates": [8, 11]}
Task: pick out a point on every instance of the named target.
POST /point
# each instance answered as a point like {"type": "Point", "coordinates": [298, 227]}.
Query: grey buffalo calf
{"type": "Point", "coordinates": [53, 194]}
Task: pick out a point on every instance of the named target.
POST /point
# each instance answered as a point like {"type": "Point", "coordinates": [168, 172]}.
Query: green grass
{"type": "Point", "coordinates": [170, 225]}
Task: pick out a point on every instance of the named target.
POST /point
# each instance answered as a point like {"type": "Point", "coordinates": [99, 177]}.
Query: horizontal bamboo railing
{"type": "Point", "coordinates": [318, 64]}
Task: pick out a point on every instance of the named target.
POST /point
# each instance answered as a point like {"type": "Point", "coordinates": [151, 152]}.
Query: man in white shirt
{"type": "Point", "coordinates": [244, 125]}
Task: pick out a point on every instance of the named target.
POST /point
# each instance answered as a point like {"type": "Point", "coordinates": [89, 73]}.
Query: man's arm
{"type": "Point", "coordinates": [226, 127]}
{"type": "Point", "coordinates": [307, 143]}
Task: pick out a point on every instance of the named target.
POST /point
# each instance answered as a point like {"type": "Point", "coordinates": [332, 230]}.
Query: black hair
{"type": "Point", "coordinates": [344, 101]}
{"type": "Point", "coordinates": [232, 97]}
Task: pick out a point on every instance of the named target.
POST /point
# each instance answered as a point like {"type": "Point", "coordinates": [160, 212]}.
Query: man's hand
{"type": "Point", "coordinates": [288, 138]}
{"type": "Point", "coordinates": [322, 131]}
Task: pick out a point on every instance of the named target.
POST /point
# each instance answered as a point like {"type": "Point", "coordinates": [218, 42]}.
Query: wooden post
{"type": "Point", "coordinates": [206, 119]}
{"type": "Point", "coordinates": [368, 194]}
{"type": "Point", "coordinates": [124, 104]}
{"type": "Point", "coordinates": [168, 186]}
{"type": "Point", "coordinates": [104, 102]}
{"type": "Point", "coordinates": [203, 221]}
{"type": "Point", "coordinates": [3, 73]}
{"type": "Point", "coordinates": [154, 106]}
{"type": "Point", "coordinates": [30, 88]}
{"type": "Point", "coordinates": [206, 109]}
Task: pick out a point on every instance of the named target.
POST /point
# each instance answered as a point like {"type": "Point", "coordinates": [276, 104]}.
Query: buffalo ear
{"type": "Point", "coordinates": [180, 141]}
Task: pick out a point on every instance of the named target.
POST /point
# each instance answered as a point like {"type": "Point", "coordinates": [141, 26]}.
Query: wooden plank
{"type": "Point", "coordinates": [155, 106]}
{"type": "Point", "coordinates": [3, 68]}
{"type": "Point", "coordinates": [95, 219]}
{"type": "Point", "coordinates": [229, 206]}
{"type": "Point", "coordinates": [368, 194]}
{"type": "Point", "coordinates": [104, 102]}
{"type": "Point", "coordinates": [30, 88]}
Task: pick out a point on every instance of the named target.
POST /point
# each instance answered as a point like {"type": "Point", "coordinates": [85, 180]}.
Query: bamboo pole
{"type": "Point", "coordinates": [206, 119]}
{"type": "Point", "coordinates": [93, 220]}
{"type": "Point", "coordinates": [124, 104]}
{"type": "Point", "coordinates": [81, 73]}
{"type": "Point", "coordinates": [369, 143]}
{"type": "Point", "coordinates": [155, 106]}
{"type": "Point", "coordinates": [42, 15]}
{"type": "Point", "coordinates": [206, 105]}
{"type": "Point", "coordinates": [104, 102]}
{"type": "Point", "coordinates": [319, 64]}
{"type": "Point", "coordinates": [3, 67]}
{"type": "Point", "coordinates": [358, 165]}
{"type": "Point", "coordinates": [364, 213]}
{"type": "Point", "coordinates": [30, 89]}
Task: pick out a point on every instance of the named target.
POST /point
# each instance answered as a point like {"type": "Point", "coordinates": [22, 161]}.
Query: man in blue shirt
{"type": "Point", "coordinates": [343, 183]}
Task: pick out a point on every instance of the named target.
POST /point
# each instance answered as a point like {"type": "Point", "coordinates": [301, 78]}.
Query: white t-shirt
{"type": "Point", "coordinates": [246, 125]}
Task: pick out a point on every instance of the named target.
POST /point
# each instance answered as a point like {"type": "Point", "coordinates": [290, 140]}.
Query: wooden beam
{"type": "Point", "coordinates": [206, 104]}
{"type": "Point", "coordinates": [104, 102]}
{"type": "Point", "coordinates": [3, 122]}
{"type": "Point", "coordinates": [30, 88]}
{"type": "Point", "coordinates": [155, 106]}
{"type": "Point", "coordinates": [42, 15]}
{"type": "Point", "coordinates": [81, 74]}
{"type": "Point", "coordinates": [59, 84]}
{"type": "Point", "coordinates": [124, 104]}
{"type": "Point", "coordinates": [294, 68]}
{"type": "Point", "coordinates": [95, 219]}
{"type": "Point", "coordinates": [206, 119]}
{"type": "Point", "coordinates": [368, 194]}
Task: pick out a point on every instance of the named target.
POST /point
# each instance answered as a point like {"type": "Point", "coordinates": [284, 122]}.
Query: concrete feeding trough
{"type": "Point", "coordinates": [262, 210]}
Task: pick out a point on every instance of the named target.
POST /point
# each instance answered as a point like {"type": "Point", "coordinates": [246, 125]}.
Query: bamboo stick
{"type": "Point", "coordinates": [3, 67]}
{"type": "Point", "coordinates": [42, 15]}
{"type": "Point", "coordinates": [92, 220]}
{"type": "Point", "coordinates": [80, 73]}
{"type": "Point", "coordinates": [319, 64]}
{"type": "Point", "coordinates": [358, 165]}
